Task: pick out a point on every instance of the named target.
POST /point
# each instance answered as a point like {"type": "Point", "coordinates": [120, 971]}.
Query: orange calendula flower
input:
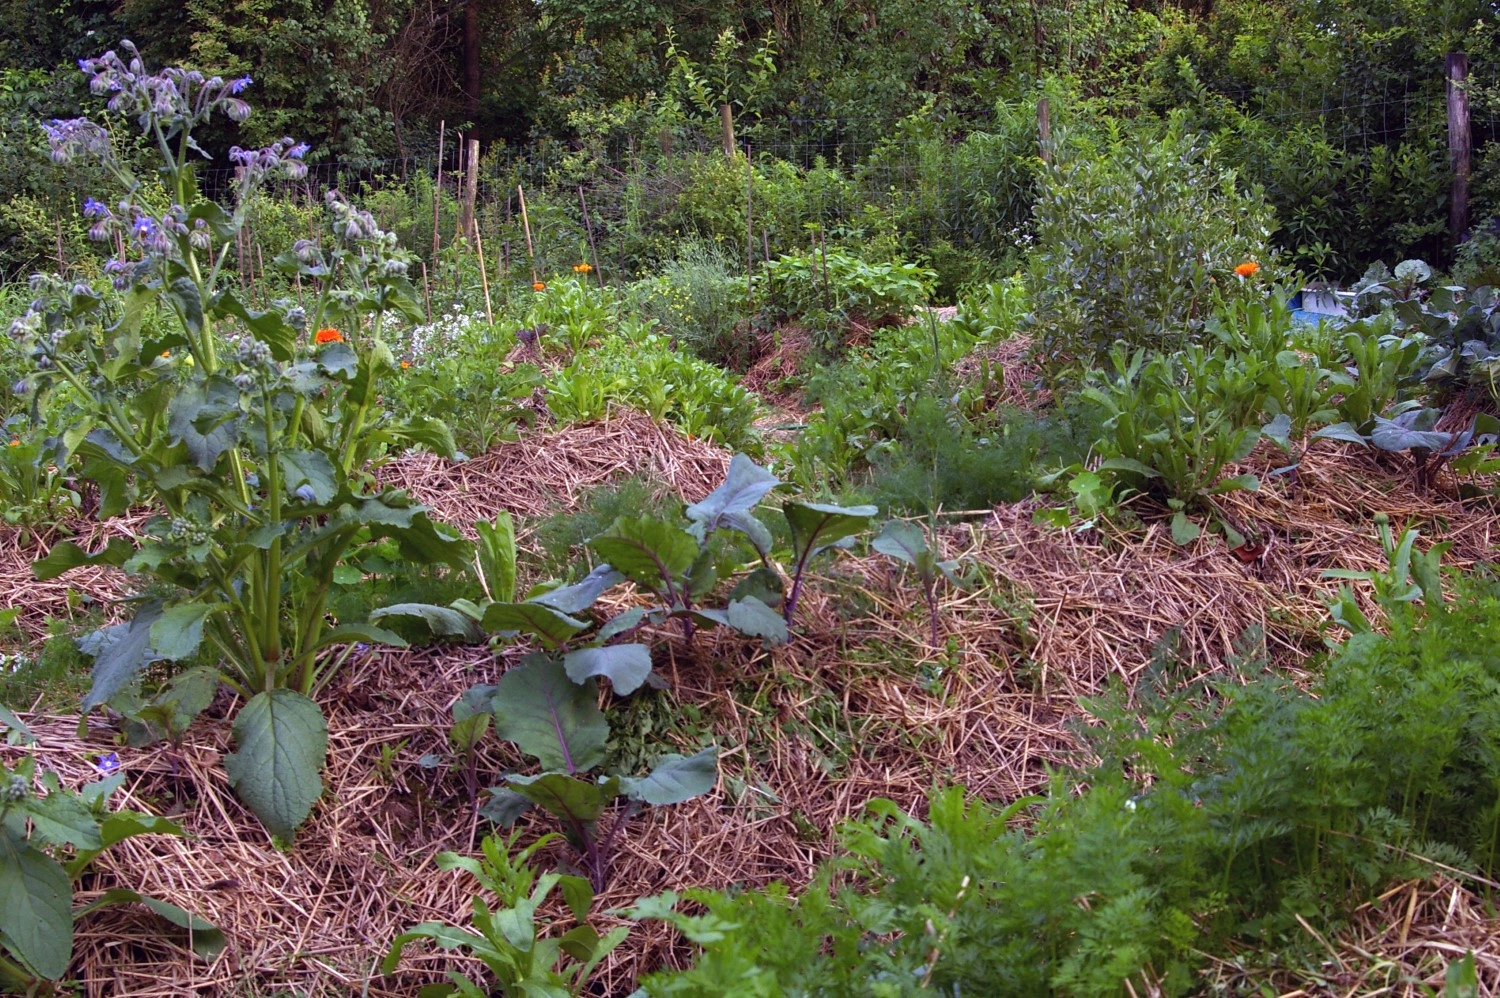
{"type": "Point", "coordinates": [538, 286]}
{"type": "Point", "coordinates": [328, 336]}
{"type": "Point", "coordinates": [1247, 269]}
{"type": "Point", "coordinates": [405, 364]}
{"type": "Point", "coordinates": [15, 443]}
{"type": "Point", "coordinates": [582, 268]}
{"type": "Point", "coordinates": [166, 353]}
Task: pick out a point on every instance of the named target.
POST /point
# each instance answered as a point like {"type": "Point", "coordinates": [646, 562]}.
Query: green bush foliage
{"type": "Point", "coordinates": [1137, 241]}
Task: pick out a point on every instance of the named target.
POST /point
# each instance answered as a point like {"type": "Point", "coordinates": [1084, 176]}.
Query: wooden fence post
{"type": "Point", "coordinates": [1460, 144]}
{"type": "Point", "coordinates": [470, 224]}
{"type": "Point", "coordinates": [1044, 128]}
{"type": "Point", "coordinates": [726, 120]}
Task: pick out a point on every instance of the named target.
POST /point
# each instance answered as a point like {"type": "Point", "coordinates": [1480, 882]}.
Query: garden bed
{"type": "Point", "coordinates": [859, 706]}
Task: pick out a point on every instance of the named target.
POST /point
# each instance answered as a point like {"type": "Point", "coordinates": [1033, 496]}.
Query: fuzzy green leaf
{"type": "Point", "coordinates": [649, 551]}
{"type": "Point", "coordinates": [36, 917]}
{"type": "Point", "coordinates": [281, 740]}
{"type": "Point", "coordinates": [119, 652]}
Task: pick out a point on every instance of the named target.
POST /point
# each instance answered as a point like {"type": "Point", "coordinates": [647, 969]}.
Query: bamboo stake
{"type": "Point", "coordinates": [526, 225]}
{"type": "Point", "coordinates": [426, 292]}
{"type": "Point", "coordinates": [437, 194]}
{"type": "Point", "coordinates": [484, 278]}
{"type": "Point", "coordinates": [471, 189]}
{"type": "Point", "coordinates": [749, 231]}
{"type": "Point", "coordinates": [589, 226]}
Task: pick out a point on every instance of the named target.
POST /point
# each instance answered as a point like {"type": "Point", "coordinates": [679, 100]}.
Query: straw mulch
{"type": "Point", "coordinates": [859, 706]}
{"type": "Point", "coordinates": [541, 472]}
{"type": "Point", "coordinates": [1399, 945]}
{"type": "Point", "coordinates": [69, 595]}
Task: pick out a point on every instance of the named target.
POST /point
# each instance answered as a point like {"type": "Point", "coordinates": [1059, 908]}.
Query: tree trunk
{"type": "Point", "coordinates": [471, 60]}
{"type": "Point", "coordinates": [1460, 144]}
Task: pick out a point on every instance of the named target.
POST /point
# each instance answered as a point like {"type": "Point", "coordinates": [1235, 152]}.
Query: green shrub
{"type": "Point", "coordinates": [700, 299]}
{"type": "Point", "coordinates": [1137, 241]}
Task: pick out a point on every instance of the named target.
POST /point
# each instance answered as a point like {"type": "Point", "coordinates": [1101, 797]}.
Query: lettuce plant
{"type": "Point", "coordinates": [249, 434]}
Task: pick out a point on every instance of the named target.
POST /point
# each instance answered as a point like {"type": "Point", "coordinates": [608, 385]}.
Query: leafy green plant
{"type": "Point", "coordinates": [34, 486]}
{"type": "Point", "coordinates": [908, 543]}
{"type": "Point", "coordinates": [256, 452]}
{"type": "Point", "coordinates": [49, 840]}
{"type": "Point", "coordinates": [834, 286]}
{"type": "Point", "coordinates": [1410, 577]}
{"type": "Point", "coordinates": [515, 941]}
{"type": "Point", "coordinates": [541, 708]}
{"type": "Point", "coordinates": [1171, 424]}
{"type": "Point", "coordinates": [1138, 242]}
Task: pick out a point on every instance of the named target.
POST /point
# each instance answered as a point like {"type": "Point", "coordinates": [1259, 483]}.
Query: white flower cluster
{"type": "Point", "coordinates": [444, 333]}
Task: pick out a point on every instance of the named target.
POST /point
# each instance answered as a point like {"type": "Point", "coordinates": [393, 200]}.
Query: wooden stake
{"type": "Point", "coordinates": [589, 227]}
{"type": "Point", "coordinates": [437, 195]}
{"type": "Point", "coordinates": [426, 291]}
{"type": "Point", "coordinates": [726, 122]}
{"type": "Point", "coordinates": [484, 278]}
{"type": "Point", "coordinates": [749, 230]}
{"type": "Point", "coordinates": [526, 225]}
{"type": "Point", "coordinates": [1460, 144]}
{"type": "Point", "coordinates": [1044, 128]}
{"type": "Point", "coordinates": [471, 190]}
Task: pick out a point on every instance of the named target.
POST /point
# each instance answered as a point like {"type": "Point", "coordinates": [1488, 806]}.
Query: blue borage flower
{"type": "Point", "coordinates": [238, 86]}
{"type": "Point", "coordinates": [93, 209]}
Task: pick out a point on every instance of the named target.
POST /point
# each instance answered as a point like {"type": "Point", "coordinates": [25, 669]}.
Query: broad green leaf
{"type": "Point", "coordinates": [1341, 431]}
{"type": "Point", "coordinates": [1246, 482]}
{"type": "Point", "coordinates": [762, 584]}
{"type": "Point", "coordinates": [119, 652]}
{"type": "Point", "coordinates": [176, 634]}
{"type": "Point", "coordinates": [1130, 465]}
{"type": "Point", "coordinates": [496, 556]}
{"type": "Point", "coordinates": [1279, 431]}
{"type": "Point", "coordinates": [368, 633]}
{"type": "Point", "coordinates": [504, 806]}
{"type": "Point", "coordinates": [552, 627]}
{"type": "Point", "coordinates": [17, 732]}
{"type": "Point", "coordinates": [903, 541]}
{"type": "Point", "coordinates": [441, 621]}
{"type": "Point", "coordinates": [65, 556]}
{"type": "Point", "coordinates": [1409, 431]}
{"type": "Point", "coordinates": [206, 938]}
{"type": "Point", "coordinates": [814, 526]}
{"type": "Point", "coordinates": [566, 797]}
{"type": "Point", "coordinates": [675, 778]}
{"type": "Point", "coordinates": [550, 717]}
{"type": "Point", "coordinates": [271, 328]}
{"type": "Point", "coordinates": [35, 908]}
{"type": "Point", "coordinates": [625, 666]}
{"type": "Point", "coordinates": [423, 431]}
{"type": "Point", "coordinates": [651, 552]}
{"type": "Point", "coordinates": [581, 595]}
{"type": "Point", "coordinates": [204, 417]}
{"type": "Point", "coordinates": [755, 619]}
{"type": "Point", "coordinates": [744, 486]}
{"type": "Point", "coordinates": [182, 295]}
{"type": "Point", "coordinates": [310, 468]}
{"type": "Point", "coordinates": [616, 626]}
{"type": "Point", "coordinates": [281, 742]}
{"type": "Point", "coordinates": [446, 936]}
{"type": "Point", "coordinates": [62, 819]}
{"type": "Point", "coordinates": [1184, 531]}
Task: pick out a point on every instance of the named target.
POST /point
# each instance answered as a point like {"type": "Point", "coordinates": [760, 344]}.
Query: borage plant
{"type": "Point", "coordinates": [249, 437]}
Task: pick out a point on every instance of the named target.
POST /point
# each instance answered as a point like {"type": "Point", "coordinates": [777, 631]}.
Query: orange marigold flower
{"type": "Point", "coordinates": [405, 364]}
{"type": "Point", "coordinates": [582, 268]}
{"type": "Point", "coordinates": [538, 286]}
{"type": "Point", "coordinates": [166, 353]}
{"type": "Point", "coordinates": [1247, 269]}
{"type": "Point", "coordinates": [328, 336]}
{"type": "Point", "coordinates": [15, 443]}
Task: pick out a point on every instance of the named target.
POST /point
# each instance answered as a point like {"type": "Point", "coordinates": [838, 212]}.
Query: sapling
{"type": "Point", "coordinates": [543, 711]}
{"type": "Point", "coordinates": [906, 542]}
